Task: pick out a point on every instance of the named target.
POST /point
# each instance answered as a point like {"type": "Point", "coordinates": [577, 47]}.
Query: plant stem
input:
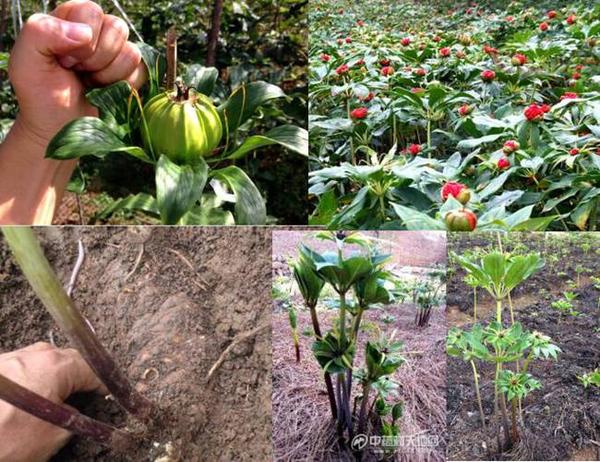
{"type": "Point", "coordinates": [362, 416]}
{"type": "Point", "coordinates": [475, 302]}
{"type": "Point", "coordinates": [510, 306]}
{"type": "Point", "coordinates": [515, 433]}
{"type": "Point", "coordinates": [477, 392]}
{"type": "Point", "coordinates": [328, 383]}
{"type": "Point", "coordinates": [42, 278]}
{"type": "Point", "coordinates": [343, 315]}
{"type": "Point", "coordinates": [499, 310]}
{"type": "Point", "coordinates": [60, 415]}
{"type": "Point", "coordinates": [429, 137]}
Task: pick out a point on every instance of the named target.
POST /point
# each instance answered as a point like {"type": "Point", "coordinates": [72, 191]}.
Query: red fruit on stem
{"type": "Point", "coordinates": [457, 190]}
{"type": "Point", "coordinates": [461, 220]}
{"type": "Point", "coordinates": [359, 113]}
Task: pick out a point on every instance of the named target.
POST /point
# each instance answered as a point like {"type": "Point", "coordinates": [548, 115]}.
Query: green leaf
{"type": "Point", "coordinates": [112, 102]}
{"type": "Point", "coordinates": [4, 61]}
{"type": "Point", "coordinates": [249, 205]}
{"type": "Point", "coordinates": [415, 220]}
{"type": "Point", "coordinates": [474, 142]}
{"type": "Point", "coordinates": [202, 78]}
{"type": "Point", "coordinates": [244, 101]}
{"type": "Point", "coordinates": [289, 136]}
{"type": "Point", "coordinates": [141, 201]}
{"type": "Point", "coordinates": [581, 214]}
{"type": "Point", "coordinates": [89, 136]}
{"type": "Point", "coordinates": [156, 65]}
{"type": "Point", "coordinates": [494, 266]}
{"type": "Point", "coordinates": [178, 188]}
{"type": "Point", "coordinates": [536, 224]}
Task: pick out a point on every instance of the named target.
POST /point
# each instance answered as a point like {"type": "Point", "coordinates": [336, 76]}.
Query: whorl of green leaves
{"type": "Point", "coordinates": [334, 353]}
{"type": "Point", "coordinates": [517, 385]}
{"type": "Point", "coordinates": [309, 282]}
{"type": "Point", "coordinates": [500, 273]}
{"type": "Point", "coordinates": [382, 359]}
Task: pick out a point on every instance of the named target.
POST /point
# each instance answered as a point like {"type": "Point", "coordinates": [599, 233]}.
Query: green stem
{"type": "Point", "coordinates": [429, 137]}
{"type": "Point", "coordinates": [475, 302]}
{"type": "Point", "coordinates": [510, 306]}
{"type": "Point", "coordinates": [477, 392]}
{"type": "Point", "coordinates": [499, 310]}
{"type": "Point", "coordinates": [42, 278]}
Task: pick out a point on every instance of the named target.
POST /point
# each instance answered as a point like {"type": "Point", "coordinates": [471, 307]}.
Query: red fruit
{"type": "Point", "coordinates": [340, 41]}
{"type": "Point", "coordinates": [387, 71]}
{"type": "Point", "coordinates": [503, 163]}
{"type": "Point", "coordinates": [325, 58]}
{"type": "Point", "coordinates": [552, 14]}
{"type": "Point", "coordinates": [360, 62]}
{"type": "Point", "coordinates": [461, 220]}
{"type": "Point", "coordinates": [569, 95]}
{"type": "Point", "coordinates": [574, 151]}
{"type": "Point", "coordinates": [415, 149]}
{"type": "Point", "coordinates": [460, 54]}
{"type": "Point", "coordinates": [348, 40]}
{"type": "Point", "coordinates": [343, 69]}
{"type": "Point", "coordinates": [360, 23]}
{"type": "Point", "coordinates": [576, 76]}
{"type": "Point", "coordinates": [519, 60]}
{"type": "Point", "coordinates": [490, 50]}
{"type": "Point", "coordinates": [437, 39]}
{"type": "Point", "coordinates": [488, 75]}
{"type": "Point", "coordinates": [367, 98]}
{"type": "Point", "coordinates": [384, 62]}
{"type": "Point", "coordinates": [417, 90]}
{"type": "Point", "coordinates": [571, 19]}
{"type": "Point", "coordinates": [544, 26]}
{"type": "Point", "coordinates": [535, 112]}
{"type": "Point", "coordinates": [420, 72]}
{"type": "Point", "coordinates": [465, 110]}
{"type": "Point", "coordinates": [510, 146]}
{"type": "Point", "coordinates": [359, 113]}
{"type": "Point", "coordinates": [509, 19]}
{"type": "Point", "coordinates": [405, 41]}
{"type": "Point", "coordinates": [457, 190]}
{"type": "Point", "coordinates": [445, 52]}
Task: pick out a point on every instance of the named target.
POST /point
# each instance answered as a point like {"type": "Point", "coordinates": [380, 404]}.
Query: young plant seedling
{"type": "Point", "coordinates": [590, 379]}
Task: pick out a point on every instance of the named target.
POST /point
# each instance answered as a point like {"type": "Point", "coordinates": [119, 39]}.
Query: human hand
{"type": "Point", "coordinates": [52, 373]}
{"type": "Point", "coordinates": [56, 55]}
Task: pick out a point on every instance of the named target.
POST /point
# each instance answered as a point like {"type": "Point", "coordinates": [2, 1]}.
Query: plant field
{"type": "Point", "coordinates": [558, 309]}
{"type": "Point", "coordinates": [452, 115]}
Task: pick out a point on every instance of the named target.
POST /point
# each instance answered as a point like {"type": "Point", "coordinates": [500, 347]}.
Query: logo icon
{"type": "Point", "coordinates": [358, 442]}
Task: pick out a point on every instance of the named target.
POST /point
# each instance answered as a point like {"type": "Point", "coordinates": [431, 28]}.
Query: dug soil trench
{"type": "Point", "coordinates": [166, 303]}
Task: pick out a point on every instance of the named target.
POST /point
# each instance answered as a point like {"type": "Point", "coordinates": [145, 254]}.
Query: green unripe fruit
{"type": "Point", "coordinates": [183, 125]}
{"type": "Point", "coordinates": [461, 220]}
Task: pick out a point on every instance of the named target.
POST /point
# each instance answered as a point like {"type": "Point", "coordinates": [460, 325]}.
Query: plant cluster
{"type": "Point", "coordinates": [503, 344]}
{"type": "Point", "coordinates": [430, 116]}
{"type": "Point", "coordinates": [360, 281]}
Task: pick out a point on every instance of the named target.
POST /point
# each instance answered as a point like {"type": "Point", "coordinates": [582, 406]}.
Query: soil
{"type": "Point", "coordinates": [166, 323]}
{"type": "Point", "coordinates": [303, 429]}
{"type": "Point", "coordinates": [562, 420]}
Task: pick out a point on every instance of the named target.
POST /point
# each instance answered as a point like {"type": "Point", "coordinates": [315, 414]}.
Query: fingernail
{"type": "Point", "coordinates": [68, 61]}
{"type": "Point", "coordinates": [78, 32]}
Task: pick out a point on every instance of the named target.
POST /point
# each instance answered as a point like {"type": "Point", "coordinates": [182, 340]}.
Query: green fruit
{"type": "Point", "coordinates": [183, 125]}
{"type": "Point", "coordinates": [461, 220]}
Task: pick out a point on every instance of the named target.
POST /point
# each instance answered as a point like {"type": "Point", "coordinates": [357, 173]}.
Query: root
{"type": "Point", "coordinates": [236, 341]}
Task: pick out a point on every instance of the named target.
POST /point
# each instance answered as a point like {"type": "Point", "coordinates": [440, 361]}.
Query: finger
{"type": "Point", "coordinates": [38, 346]}
{"type": "Point", "coordinates": [138, 78]}
{"type": "Point", "coordinates": [51, 36]}
{"type": "Point", "coordinates": [112, 39]}
{"type": "Point", "coordinates": [121, 68]}
{"type": "Point", "coordinates": [75, 375]}
{"type": "Point", "coordinates": [85, 12]}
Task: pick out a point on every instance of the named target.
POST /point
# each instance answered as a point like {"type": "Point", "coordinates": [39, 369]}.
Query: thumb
{"type": "Point", "coordinates": [51, 36]}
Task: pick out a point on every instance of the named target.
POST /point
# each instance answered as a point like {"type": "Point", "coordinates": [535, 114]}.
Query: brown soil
{"type": "Point", "coordinates": [562, 420]}
{"type": "Point", "coordinates": [303, 429]}
{"type": "Point", "coordinates": [166, 324]}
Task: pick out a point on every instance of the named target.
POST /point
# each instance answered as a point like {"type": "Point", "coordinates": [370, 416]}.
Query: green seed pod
{"type": "Point", "coordinates": [183, 125]}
